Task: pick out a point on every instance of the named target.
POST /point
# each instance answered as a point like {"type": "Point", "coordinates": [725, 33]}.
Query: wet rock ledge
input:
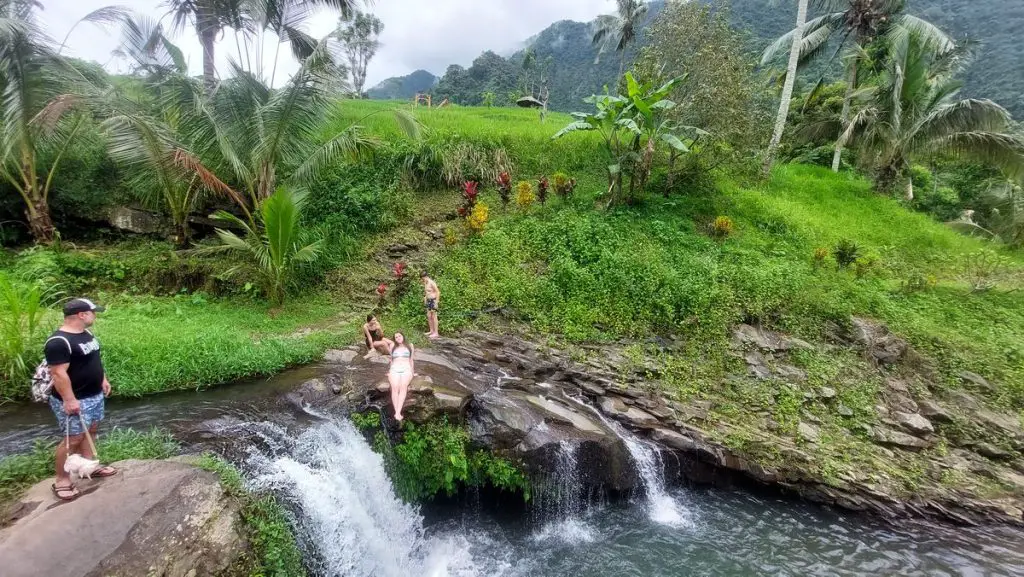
{"type": "Point", "coordinates": [527, 401]}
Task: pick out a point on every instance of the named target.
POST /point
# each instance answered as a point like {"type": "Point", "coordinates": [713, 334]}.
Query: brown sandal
{"type": "Point", "coordinates": [105, 471]}
{"type": "Point", "coordinates": [70, 489]}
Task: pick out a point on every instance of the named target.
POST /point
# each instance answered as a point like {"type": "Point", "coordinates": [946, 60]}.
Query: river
{"type": "Point", "coordinates": [351, 523]}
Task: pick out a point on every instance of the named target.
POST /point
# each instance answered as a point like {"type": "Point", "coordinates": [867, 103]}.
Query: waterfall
{"type": "Point", "coordinates": [350, 521]}
{"type": "Point", "coordinates": [561, 501]}
{"type": "Point", "coordinates": [662, 508]}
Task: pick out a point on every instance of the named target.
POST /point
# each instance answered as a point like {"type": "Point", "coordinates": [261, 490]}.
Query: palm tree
{"type": "Point", "coordinates": [856, 23]}
{"type": "Point", "coordinates": [259, 138]}
{"type": "Point", "coordinates": [914, 112]}
{"type": "Point", "coordinates": [619, 30]}
{"type": "Point", "coordinates": [787, 87]}
{"type": "Point", "coordinates": [209, 18]}
{"type": "Point", "coordinates": [148, 132]}
{"type": "Point", "coordinates": [276, 244]}
{"type": "Point", "coordinates": [242, 142]}
{"type": "Point", "coordinates": [35, 111]}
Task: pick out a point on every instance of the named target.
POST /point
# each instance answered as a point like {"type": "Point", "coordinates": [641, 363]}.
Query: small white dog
{"type": "Point", "coordinates": [78, 466]}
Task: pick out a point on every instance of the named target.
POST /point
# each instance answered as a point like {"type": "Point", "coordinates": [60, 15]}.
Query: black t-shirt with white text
{"type": "Point", "coordinates": [81, 352]}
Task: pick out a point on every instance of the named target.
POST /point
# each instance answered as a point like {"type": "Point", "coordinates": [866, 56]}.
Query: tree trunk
{"type": "Point", "coordinates": [910, 190]}
{"type": "Point", "coordinates": [851, 83]}
{"type": "Point", "coordinates": [207, 38]}
{"type": "Point", "coordinates": [39, 222]}
{"type": "Point", "coordinates": [787, 88]}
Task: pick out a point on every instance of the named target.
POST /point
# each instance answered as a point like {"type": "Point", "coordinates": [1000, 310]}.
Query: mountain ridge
{"type": "Point", "coordinates": [576, 72]}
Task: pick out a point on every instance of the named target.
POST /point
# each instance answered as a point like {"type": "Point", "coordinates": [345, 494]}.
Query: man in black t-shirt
{"type": "Point", "coordinates": [79, 388]}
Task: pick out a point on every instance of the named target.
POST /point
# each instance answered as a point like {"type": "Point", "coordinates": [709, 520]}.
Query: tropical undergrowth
{"type": "Point", "coordinates": [662, 269]}
{"type": "Point", "coordinates": [437, 458]}
{"type": "Point", "coordinates": [274, 550]}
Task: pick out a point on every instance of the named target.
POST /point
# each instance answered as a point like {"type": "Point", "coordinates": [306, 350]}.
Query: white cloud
{"type": "Point", "coordinates": [428, 35]}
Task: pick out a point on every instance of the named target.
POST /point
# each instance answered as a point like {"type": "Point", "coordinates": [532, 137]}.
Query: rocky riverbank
{"type": "Point", "coordinates": [880, 435]}
{"type": "Point", "coordinates": [166, 518]}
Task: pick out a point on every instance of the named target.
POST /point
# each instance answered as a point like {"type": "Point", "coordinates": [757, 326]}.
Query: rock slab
{"type": "Point", "coordinates": [165, 518]}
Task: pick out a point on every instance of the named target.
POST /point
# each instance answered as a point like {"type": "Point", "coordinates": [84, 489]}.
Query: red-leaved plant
{"type": "Point", "coordinates": [505, 188]}
{"type": "Point", "coordinates": [399, 270]}
{"type": "Point", "coordinates": [381, 289]}
{"type": "Point", "coordinates": [470, 190]}
{"type": "Point", "coordinates": [542, 189]}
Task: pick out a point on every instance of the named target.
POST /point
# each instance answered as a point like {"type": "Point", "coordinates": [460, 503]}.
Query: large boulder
{"type": "Point", "coordinates": [162, 518]}
{"type": "Point", "coordinates": [538, 429]}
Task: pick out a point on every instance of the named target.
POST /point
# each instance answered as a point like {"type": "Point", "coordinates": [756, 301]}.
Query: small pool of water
{"type": "Point", "coordinates": [728, 533]}
{"type": "Point", "coordinates": [352, 524]}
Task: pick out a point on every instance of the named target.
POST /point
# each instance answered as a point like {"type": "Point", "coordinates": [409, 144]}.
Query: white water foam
{"type": "Point", "coordinates": [571, 531]}
{"type": "Point", "coordinates": [661, 507]}
{"type": "Point", "coordinates": [349, 515]}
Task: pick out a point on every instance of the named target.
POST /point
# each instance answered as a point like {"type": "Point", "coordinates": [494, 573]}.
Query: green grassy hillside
{"type": "Point", "coordinates": [583, 273]}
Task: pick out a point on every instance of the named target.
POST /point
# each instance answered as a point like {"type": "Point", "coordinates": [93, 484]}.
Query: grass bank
{"type": "Point", "coordinates": [660, 269]}
{"type": "Point", "coordinates": [153, 344]}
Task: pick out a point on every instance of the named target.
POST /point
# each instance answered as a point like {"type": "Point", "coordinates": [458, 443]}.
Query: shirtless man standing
{"type": "Point", "coordinates": [431, 299]}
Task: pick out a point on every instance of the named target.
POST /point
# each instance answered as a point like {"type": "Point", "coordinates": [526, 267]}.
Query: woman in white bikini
{"type": "Point", "coordinates": [401, 372]}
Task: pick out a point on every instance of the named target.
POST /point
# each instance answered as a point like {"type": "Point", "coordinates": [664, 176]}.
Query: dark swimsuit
{"type": "Point", "coordinates": [376, 335]}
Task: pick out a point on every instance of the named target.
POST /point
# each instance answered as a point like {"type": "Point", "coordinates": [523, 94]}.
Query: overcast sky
{"type": "Point", "coordinates": [429, 35]}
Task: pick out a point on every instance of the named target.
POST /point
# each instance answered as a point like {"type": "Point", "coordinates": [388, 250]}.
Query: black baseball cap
{"type": "Point", "coordinates": [75, 306]}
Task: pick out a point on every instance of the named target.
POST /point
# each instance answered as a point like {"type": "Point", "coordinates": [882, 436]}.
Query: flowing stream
{"type": "Point", "coordinates": [351, 523]}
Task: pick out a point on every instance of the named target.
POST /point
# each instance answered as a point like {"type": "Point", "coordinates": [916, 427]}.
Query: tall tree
{"type": "Point", "coordinates": [619, 30]}
{"type": "Point", "coordinates": [209, 18]}
{"type": "Point", "coordinates": [36, 111]}
{"type": "Point", "coordinates": [360, 38]}
{"type": "Point", "coordinates": [914, 112]}
{"type": "Point", "coordinates": [856, 23]}
{"type": "Point", "coordinates": [787, 87]}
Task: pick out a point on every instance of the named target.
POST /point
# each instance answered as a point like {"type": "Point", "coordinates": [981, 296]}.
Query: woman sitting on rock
{"type": "Point", "coordinates": [373, 334]}
{"type": "Point", "coordinates": [401, 372]}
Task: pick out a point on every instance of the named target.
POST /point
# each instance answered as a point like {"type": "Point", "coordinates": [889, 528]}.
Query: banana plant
{"type": "Point", "coordinates": [632, 126]}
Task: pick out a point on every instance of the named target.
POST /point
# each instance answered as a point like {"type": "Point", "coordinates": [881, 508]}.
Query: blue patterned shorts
{"type": "Point", "coordinates": [92, 412]}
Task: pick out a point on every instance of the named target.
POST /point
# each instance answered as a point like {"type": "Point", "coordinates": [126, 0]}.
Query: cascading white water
{"type": "Point", "coordinates": [661, 507]}
{"type": "Point", "coordinates": [349, 517]}
{"type": "Point", "coordinates": [561, 502]}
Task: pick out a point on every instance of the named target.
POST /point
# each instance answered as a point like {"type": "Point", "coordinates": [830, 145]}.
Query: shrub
{"type": "Point", "coordinates": [359, 198]}
{"type": "Point", "coordinates": [984, 269]}
{"type": "Point", "coordinates": [22, 312]}
{"type": "Point", "coordinates": [524, 194]}
{"type": "Point", "coordinates": [451, 238]}
{"type": "Point", "coordinates": [820, 254]}
{"type": "Point", "coordinates": [722, 227]}
{"type": "Point", "coordinates": [543, 185]}
{"type": "Point", "coordinates": [470, 191]}
{"type": "Point", "coordinates": [564, 185]}
{"type": "Point", "coordinates": [918, 282]}
{"type": "Point", "coordinates": [845, 252]}
{"type": "Point", "coordinates": [437, 458]}
{"type": "Point", "coordinates": [505, 188]}
{"type": "Point", "coordinates": [865, 264]}
{"type": "Point", "coordinates": [921, 177]}
{"type": "Point", "coordinates": [478, 219]}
